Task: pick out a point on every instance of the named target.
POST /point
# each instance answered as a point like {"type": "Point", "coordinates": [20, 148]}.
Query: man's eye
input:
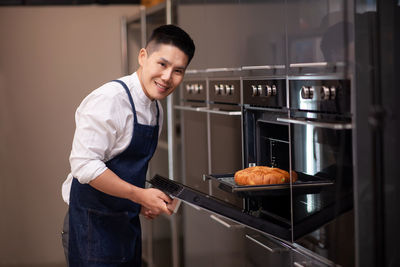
{"type": "Point", "coordinates": [179, 71]}
{"type": "Point", "coordinates": [162, 64]}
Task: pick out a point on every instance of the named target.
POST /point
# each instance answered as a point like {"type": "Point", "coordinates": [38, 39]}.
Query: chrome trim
{"type": "Point", "coordinates": [196, 109]}
{"type": "Point", "coordinates": [192, 71]}
{"type": "Point", "coordinates": [222, 69]}
{"type": "Point", "coordinates": [328, 125]}
{"type": "Point", "coordinates": [229, 113]}
{"type": "Point", "coordinates": [265, 67]}
{"type": "Point", "coordinates": [317, 64]}
{"type": "Point", "coordinates": [208, 110]}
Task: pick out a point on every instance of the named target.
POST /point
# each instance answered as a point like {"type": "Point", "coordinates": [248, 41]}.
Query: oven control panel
{"type": "Point", "coordinates": [224, 91]}
{"type": "Point", "coordinates": [331, 96]}
{"type": "Point", "coordinates": [194, 90]}
{"type": "Point", "coordinates": [266, 93]}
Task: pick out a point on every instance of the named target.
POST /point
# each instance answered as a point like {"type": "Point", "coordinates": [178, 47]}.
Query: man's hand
{"type": "Point", "coordinates": [147, 213]}
{"type": "Point", "coordinates": [153, 201]}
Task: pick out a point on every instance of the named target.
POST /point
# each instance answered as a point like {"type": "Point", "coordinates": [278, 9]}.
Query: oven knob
{"type": "Point", "coordinates": [268, 91]}
{"type": "Point", "coordinates": [325, 93]}
{"type": "Point", "coordinates": [311, 92]}
{"type": "Point", "coordinates": [222, 89]}
{"type": "Point", "coordinates": [217, 89]}
{"type": "Point", "coordinates": [260, 90]}
{"type": "Point", "coordinates": [197, 88]}
{"type": "Point", "coordinates": [232, 90]}
{"type": "Point", "coordinates": [273, 89]}
{"type": "Point", "coordinates": [333, 92]}
{"type": "Point", "coordinates": [307, 92]}
{"type": "Point", "coordinates": [254, 91]}
{"type": "Point", "coordinates": [189, 88]}
{"type": "Point", "coordinates": [229, 89]}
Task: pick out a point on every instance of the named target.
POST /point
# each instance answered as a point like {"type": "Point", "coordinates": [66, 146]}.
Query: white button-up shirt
{"type": "Point", "coordinates": [104, 127]}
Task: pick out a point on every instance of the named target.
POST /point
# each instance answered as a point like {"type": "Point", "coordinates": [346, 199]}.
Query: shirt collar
{"type": "Point", "coordinates": [138, 91]}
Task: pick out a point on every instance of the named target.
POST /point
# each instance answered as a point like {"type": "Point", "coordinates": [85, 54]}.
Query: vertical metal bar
{"type": "Point", "coordinates": [169, 11]}
{"type": "Point", "coordinates": [171, 155]}
{"type": "Point", "coordinates": [124, 46]}
{"type": "Point", "coordinates": [143, 26]}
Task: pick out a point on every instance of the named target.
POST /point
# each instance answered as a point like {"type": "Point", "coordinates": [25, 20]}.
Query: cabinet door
{"type": "Point", "coordinates": [195, 150]}
{"type": "Point", "coordinates": [264, 251]}
{"type": "Point", "coordinates": [226, 152]}
{"type": "Point", "coordinates": [211, 242]}
{"type": "Point", "coordinates": [301, 260]}
{"type": "Point", "coordinates": [318, 31]}
{"type": "Point", "coordinates": [234, 33]}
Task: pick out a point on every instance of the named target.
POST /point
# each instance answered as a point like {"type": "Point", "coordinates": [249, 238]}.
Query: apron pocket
{"type": "Point", "coordinates": [111, 237]}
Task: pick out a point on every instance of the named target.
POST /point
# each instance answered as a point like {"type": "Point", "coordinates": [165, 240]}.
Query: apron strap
{"type": "Point", "coordinates": [131, 100]}
{"type": "Point", "coordinates": [130, 97]}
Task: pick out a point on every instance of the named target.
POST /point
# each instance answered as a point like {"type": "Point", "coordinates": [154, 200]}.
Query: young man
{"type": "Point", "coordinates": [117, 129]}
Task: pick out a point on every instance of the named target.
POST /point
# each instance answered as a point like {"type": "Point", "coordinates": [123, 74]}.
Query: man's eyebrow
{"type": "Point", "coordinates": [166, 61]}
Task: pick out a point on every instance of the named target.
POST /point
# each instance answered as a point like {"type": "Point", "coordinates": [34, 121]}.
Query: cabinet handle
{"type": "Point", "coordinates": [269, 248]}
{"type": "Point", "coordinates": [224, 223]}
{"type": "Point", "coordinates": [296, 264]}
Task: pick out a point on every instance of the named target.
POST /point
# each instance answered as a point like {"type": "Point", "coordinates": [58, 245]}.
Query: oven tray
{"type": "Point", "coordinates": [304, 184]}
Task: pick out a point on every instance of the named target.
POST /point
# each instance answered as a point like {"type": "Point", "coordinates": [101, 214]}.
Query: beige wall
{"type": "Point", "coordinates": [50, 58]}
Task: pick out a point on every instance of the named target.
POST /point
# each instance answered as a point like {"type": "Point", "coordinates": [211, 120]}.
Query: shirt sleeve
{"type": "Point", "coordinates": [98, 123]}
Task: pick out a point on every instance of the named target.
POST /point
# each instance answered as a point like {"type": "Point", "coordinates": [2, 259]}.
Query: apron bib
{"type": "Point", "coordinates": [105, 230]}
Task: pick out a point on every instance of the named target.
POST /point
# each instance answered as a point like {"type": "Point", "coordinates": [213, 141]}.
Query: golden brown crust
{"type": "Point", "coordinates": [259, 175]}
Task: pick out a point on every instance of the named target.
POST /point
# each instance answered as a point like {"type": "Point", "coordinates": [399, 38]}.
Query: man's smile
{"type": "Point", "coordinates": [161, 86]}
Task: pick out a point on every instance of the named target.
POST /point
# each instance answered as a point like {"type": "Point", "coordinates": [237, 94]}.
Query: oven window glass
{"type": "Point", "coordinates": [323, 157]}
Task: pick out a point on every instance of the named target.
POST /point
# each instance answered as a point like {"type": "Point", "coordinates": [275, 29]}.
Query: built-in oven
{"type": "Point", "coordinates": [320, 124]}
{"type": "Point", "coordinates": [211, 142]}
{"type": "Point", "coordinates": [304, 126]}
{"type": "Point", "coordinates": [193, 102]}
{"type": "Point", "coordinates": [225, 130]}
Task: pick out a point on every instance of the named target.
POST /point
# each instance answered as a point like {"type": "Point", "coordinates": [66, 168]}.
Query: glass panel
{"type": "Point", "coordinates": [231, 34]}
{"type": "Point", "coordinates": [319, 31]}
{"type": "Point", "coordinates": [321, 154]}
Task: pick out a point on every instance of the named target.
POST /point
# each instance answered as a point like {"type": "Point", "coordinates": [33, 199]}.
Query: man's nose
{"type": "Point", "coordinates": [166, 75]}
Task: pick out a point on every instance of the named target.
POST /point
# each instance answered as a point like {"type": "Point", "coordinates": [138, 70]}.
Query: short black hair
{"type": "Point", "coordinates": [173, 35]}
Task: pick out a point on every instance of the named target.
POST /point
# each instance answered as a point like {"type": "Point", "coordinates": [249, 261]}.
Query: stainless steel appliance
{"type": "Point", "coordinates": [211, 137]}
{"type": "Point", "coordinates": [327, 127]}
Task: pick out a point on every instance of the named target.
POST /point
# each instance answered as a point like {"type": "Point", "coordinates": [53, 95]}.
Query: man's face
{"type": "Point", "coordinates": [161, 71]}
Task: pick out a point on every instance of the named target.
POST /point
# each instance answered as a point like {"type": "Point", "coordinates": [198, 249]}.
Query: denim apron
{"type": "Point", "coordinates": [105, 230]}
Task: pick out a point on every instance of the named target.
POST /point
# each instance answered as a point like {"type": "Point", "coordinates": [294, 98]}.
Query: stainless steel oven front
{"type": "Point", "coordinates": [320, 123]}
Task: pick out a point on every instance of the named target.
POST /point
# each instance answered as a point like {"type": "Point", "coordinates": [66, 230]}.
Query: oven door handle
{"type": "Point", "coordinates": [222, 112]}
{"type": "Point", "coordinates": [196, 109]}
{"type": "Point", "coordinates": [208, 110]}
{"type": "Point", "coordinates": [329, 125]}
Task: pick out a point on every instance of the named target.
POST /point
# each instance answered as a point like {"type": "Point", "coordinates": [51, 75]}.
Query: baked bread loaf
{"type": "Point", "coordinates": [259, 175]}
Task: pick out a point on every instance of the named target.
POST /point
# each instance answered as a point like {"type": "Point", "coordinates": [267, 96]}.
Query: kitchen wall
{"type": "Point", "coordinates": [50, 58]}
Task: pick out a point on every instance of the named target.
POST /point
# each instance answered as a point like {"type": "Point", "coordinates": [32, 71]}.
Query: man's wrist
{"type": "Point", "coordinates": [134, 194]}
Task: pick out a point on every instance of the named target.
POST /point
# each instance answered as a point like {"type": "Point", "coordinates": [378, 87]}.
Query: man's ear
{"type": "Point", "coordinates": [142, 56]}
